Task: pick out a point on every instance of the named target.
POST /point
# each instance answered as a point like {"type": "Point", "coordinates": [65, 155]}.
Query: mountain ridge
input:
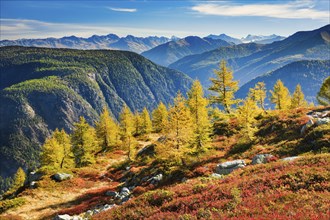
{"type": "Point", "coordinates": [172, 51]}
{"type": "Point", "coordinates": [306, 45]}
{"type": "Point", "coordinates": [110, 41]}
{"type": "Point", "coordinates": [45, 88]}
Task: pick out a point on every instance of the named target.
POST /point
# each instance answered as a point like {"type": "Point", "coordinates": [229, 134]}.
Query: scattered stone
{"type": "Point", "coordinates": [290, 158]}
{"type": "Point", "coordinates": [306, 126]}
{"type": "Point", "coordinates": [184, 179]}
{"type": "Point", "coordinates": [33, 185]}
{"type": "Point", "coordinates": [261, 158]}
{"type": "Point", "coordinates": [107, 207]}
{"type": "Point", "coordinates": [125, 190]}
{"type": "Point", "coordinates": [61, 176]}
{"type": "Point", "coordinates": [322, 121]}
{"type": "Point", "coordinates": [156, 179]}
{"type": "Point", "coordinates": [111, 193]}
{"type": "Point", "coordinates": [216, 176]}
{"type": "Point", "coordinates": [34, 176]}
{"type": "Point", "coordinates": [162, 139]}
{"type": "Point", "coordinates": [229, 166]}
{"type": "Point", "coordinates": [63, 217]}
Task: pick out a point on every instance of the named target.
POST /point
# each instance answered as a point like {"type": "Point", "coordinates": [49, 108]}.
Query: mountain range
{"type": "Point", "coordinates": [252, 60]}
{"type": "Point", "coordinates": [43, 89]}
{"type": "Point", "coordinates": [111, 41]}
{"type": "Point", "coordinates": [260, 39]}
{"type": "Point", "coordinates": [172, 51]}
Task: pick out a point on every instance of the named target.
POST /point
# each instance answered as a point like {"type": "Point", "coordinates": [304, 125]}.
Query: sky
{"type": "Point", "coordinates": [237, 18]}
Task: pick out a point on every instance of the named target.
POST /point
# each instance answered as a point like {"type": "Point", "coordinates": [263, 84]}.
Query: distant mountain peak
{"type": "Point", "coordinates": [225, 37]}
{"type": "Point", "coordinates": [263, 39]}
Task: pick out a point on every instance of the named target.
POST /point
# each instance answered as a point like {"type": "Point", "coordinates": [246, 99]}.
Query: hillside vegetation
{"type": "Point", "coordinates": [43, 89]}
{"type": "Point", "coordinates": [186, 161]}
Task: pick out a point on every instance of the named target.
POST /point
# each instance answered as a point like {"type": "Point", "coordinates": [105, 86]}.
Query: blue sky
{"type": "Point", "coordinates": [40, 19]}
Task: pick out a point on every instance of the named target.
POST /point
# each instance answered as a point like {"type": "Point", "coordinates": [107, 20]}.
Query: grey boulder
{"type": "Point", "coordinates": [229, 166]}
{"type": "Point", "coordinates": [290, 158]}
{"type": "Point", "coordinates": [61, 176]}
{"type": "Point", "coordinates": [261, 158]}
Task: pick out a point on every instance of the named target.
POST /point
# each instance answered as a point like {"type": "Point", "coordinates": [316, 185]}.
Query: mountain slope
{"type": "Point", "coordinates": [172, 51]}
{"type": "Point", "coordinates": [42, 89]}
{"type": "Point", "coordinates": [306, 45]}
{"type": "Point", "coordinates": [200, 66]}
{"type": "Point", "coordinates": [111, 41]}
{"type": "Point", "coordinates": [309, 74]}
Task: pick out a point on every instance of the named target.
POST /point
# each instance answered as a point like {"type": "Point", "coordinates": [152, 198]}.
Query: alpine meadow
{"type": "Point", "coordinates": [180, 110]}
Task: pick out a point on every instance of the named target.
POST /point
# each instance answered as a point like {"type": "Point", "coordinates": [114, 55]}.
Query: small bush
{"type": "Point", "coordinates": [11, 203]}
{"type": "Point", "coordinates": [139, 190]}
{"type": "Point", "coordinates": [158, 197]}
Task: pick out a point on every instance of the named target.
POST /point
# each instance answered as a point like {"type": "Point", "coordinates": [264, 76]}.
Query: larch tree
{"type": "Point", "coordinates": [160, 118]}
{"type": "Point", "coordinates": [298, 98]}
{"type": "Point", "coordinates": [197, 104]}
{"type": "Point", "coordinates": [65, 154]}
{"type": "Point", "coordinates": [179, 128]}
{"type": "Point", "coordinates": [225, 87]}
{"type": "Point", "coordinates": [137, 123]}
{"type": "Point", "coordinates": [126, 130]}
{"type": "Point", "coordinates": [107, 131]}
{"type": "Point", "coordinates": [280, 96]}
{"type": "Point", "coordinates": [246, 117]}
{"type": "Point", "coordinates": [51, 154]}
{"type": "Point", "coordinates": [323, 96]}
{"type": "Point", "coordinates": [146, 122]}
{"type": "Point", "coordinates": [18, 182]}
{"type": "Point", "coordinates": [258, 94]}
{"type": "Point", "coordinates": [84, 143]}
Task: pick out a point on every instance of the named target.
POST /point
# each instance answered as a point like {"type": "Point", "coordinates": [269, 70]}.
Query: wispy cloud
{"type": "Point", "coordinates": [123, 9]}
{"type": "Point", "coordinates": [291, 10]}
{"type": "Point", "coordinates": [12, 29]}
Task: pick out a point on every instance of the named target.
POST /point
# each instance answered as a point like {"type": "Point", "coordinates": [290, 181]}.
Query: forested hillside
{"type": "Point", "coordinates": [309, 74]}
{"type": "Point", "coordinates": [43, 89]}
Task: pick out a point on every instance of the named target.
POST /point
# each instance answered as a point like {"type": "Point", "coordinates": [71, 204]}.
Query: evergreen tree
{"type": "Point", "coordinates": [280, 96]}
{"type": "Point", "coordinates": [258, 94]}
{"type": "Point", "coordinates": [107, 131]}
{"type": "Point", "coordinates": [224, 86]}
{"type": "Point", "coordinates": [160, 118]}
{"type": "Point", "coordinates": [179, 128]}
{"type": "Point", "coordinates": [84, 143]}
{"type": "Point", "coordinates": [298, 98]}
{"type": "Point", "coordinates": [246, 117]}
{"type": "Point", "coordinates": [127, 129]}
{"type": "Point", "coordinates": [201, 123]}
{"type": "Point", "coordinates": [146, 127]}
{"type": "Point", "coordinates": [323, 96]}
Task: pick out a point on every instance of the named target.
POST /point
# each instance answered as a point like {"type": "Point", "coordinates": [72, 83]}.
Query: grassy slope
{"type": "Point", "coordinates": [279, 190]}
